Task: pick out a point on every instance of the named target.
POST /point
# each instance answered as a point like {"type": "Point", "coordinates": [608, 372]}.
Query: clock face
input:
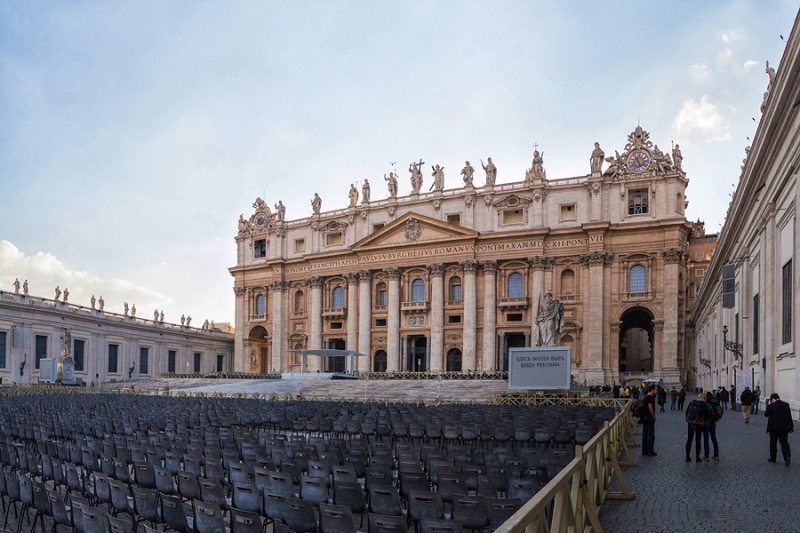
{"type": "Point", "coordinates": [639, 161]}
{"type": "Point", "coordinates": [261, 220]}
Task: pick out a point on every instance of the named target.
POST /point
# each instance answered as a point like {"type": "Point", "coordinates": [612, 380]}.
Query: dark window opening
{"type": "Point", "coordinates": [380, 322]}
{"type": "Point", "coordinates": [454, 319]}
{"type": "Point", "coordinates": [113, 353]}
{"type": "Point", "coordinates": [172, 355]}
{"type": "Point", "coordinates": [514, 317]}
{"type": "Point", "coordinates": [260, 248]}
{"type": "Point", "coordinates": [336, 325]}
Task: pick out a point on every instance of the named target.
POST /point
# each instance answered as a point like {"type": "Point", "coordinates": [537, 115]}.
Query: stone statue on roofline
{"type": "Point", "coordinates": [280, 211]}
{"type": "Point", "coordinates": [491, 171]}
{"type": "Point", "coordinates": [416, 177]}
{"type": "Point", "coordinates": [365, 192]}
{"type": "Point", "coordinates": [316, 204]}
{"type": "Point", "coordinates": [598, 155]}
{"type": "Point", "coordinates": [353, 195]}
{"type": "Point", "coordinates": [467, 174]}
{"type": "Point", "coordinates": [16, 285]}
{"type": "Point", "coordinates": [438, 178]}
{"type": "Point", "coordinates": [391, 182]}
{"type": "Point", "coordinates": [677, 158]}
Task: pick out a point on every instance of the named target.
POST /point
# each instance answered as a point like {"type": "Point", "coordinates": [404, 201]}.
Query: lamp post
{"type": "Point", "coordinates": [734, 347]}
{"type": "Point", "coordinates": [705, 362]}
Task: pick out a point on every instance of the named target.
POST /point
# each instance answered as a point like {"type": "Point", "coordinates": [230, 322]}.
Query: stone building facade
{"type": "Point", "coordinates": [451, 279]}
{"type": "Point", "coordinates": [105, 346]}
{"type": "Point", "coordinates": [760, 240]}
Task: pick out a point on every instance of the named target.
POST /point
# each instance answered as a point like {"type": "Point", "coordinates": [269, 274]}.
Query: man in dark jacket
{"type": "Point", "coordinates": [746, 400]}
{"type": "Point", "coordinates": [779, 425]}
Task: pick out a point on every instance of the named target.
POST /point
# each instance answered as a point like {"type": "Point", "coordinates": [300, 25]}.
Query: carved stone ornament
{"type": "Point", "coordinates": [469, 265]}
{"type": "Point", "coordinates": [597, 258]}
{"type": "Point", "coordinates": [364, 214]}
{"type": "Point", "coordinates": [512, 201]}
{"type": "Point", "coordinates": [437, 204]}
{"type": "Point", "coordinates": [594, 189]}
{"type": "Point", "coordinates": [351, 277]}
{"type": "Point", "coordinates": [489, 267]}
{"type": "Point", "coordinates": [436, 269]}
{"type": "Point", "coordinates": [332, 226]}
{"type": "Point", "coordinates": [281, 232]}
{"type": "Point", "coordinates": [673, 255]}
{"type": "Point", "coordinates": [365, 275]}
{"type": "Point", "coordinates": [539, 194]}
{"type": "Point", "coordinates": [314, 281]}
{"type": "Point", "coordinates": [393, 273]}
{"type": "Point", "coordinates": [469, 199]}
{"type": "Point", "coordinates": [239, 291]}
{"type": "Point", "coordinates": [279, 285]}
{"type": "Point", "coordinates": [453, 337]}
{"type": "Point", "coordinates": [380, 339]}
{"type": "Point", "coordinates": [392, 212]}
{"type": "Point", "coordinates": [487, 201]}
{"type": "Point", "coordinates": [541, 262]}
{"type": "Point", "coordinates": [413, 230]}
{"type": "Point", "coordinates": [416, 321]}
{"type": "Point", "coordinates": [639, 139]}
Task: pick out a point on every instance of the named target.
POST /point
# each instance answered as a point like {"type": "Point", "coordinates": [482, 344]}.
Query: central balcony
{"type": "Point", "coordinates": [414, 307]}
{"type": "Point", "coordinates": [517, 302]}
{"type": "Point", "coordinates": [335, 312]}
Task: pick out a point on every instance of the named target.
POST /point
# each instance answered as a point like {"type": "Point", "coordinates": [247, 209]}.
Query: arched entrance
{"type": "Point", "coordinates": [379, 361]}
{"type": "Point", "coordinates": [336, 364]}
{"type": "Point", "coordinates": [454, 360]}
{"type": "Point", "coordinates": [636, 343]}
{"type": "Point", "coordinates": [259, 351]}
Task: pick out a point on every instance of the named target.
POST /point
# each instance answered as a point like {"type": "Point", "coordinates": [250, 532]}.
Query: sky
{"type": "Point", "coordinates": [134, 134]}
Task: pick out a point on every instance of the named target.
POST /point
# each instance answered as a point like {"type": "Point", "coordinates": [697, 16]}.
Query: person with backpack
{"type": "Point", "coordinates": [649, 422]}
{"type": "Point", "coordinates": [681, 398]}
{"type": "Point", "coordinates": [697, 414]}
{"type": "Point", "coordinates": [746, 400]}
{"type": "Point", "coordinates": [673, 396]}
{"type": "Point", "coordinates": [710, 429]}
{"type": "Point", "coordinates": [779, 425]}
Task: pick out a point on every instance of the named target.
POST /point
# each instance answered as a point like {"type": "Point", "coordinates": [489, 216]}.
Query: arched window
{"type": "Point", "coordinates": [379, 361]}
{"type": "Point", "coordinates": [567, 282]}
{"type": "Point", "coordinates": [380, 294]}
{"type": "Point", "coordinates": [455, 289]}
{"type": "Point", "coordinates": [638, 281]}
{"type": "Point", "coordinates": [454, 360]}
{"type": "Point", "coordinates": [261, 304]}
{"type": "Point", "coordinates": [299, 302]}
{"type": "Point", "coordinates": [515, 285]}
{"type": "Point", "coordinates": [338, 298]}
{"type": "Point", "coordinates": [418, 290]}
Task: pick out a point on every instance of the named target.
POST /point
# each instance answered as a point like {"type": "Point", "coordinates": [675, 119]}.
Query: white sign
{"type": "Point", "coordinates": [744, 378]}
{"type": "Point", "coordinates": [539, 368]}
{"type": "Point", "coordinates": [47, 370]}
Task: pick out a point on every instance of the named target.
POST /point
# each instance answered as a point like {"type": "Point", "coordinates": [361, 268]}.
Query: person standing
{"type": "Point", "coordinates": [673, 396]}
{"type": "Point", "coordinates": [779, 425]}
{"type": "Point", "coordinates": [733, 396]}
{"type": "Point", "coordinates": [724, 397]}
{"type": "Point", "coordinates": [681, 398]}
{"type": "Point", "coordinates": [649, 423]}
{"type": "Point", "coordinates": [746, 400]}
{"type": "Point", "coordinates": [662, 399]}
{"type": "Point", "coordinates": [710, 429]}
{"type": "Point", "coordinates": [756, 400]}
{"type": "Point", "coordinates": [697, 414]}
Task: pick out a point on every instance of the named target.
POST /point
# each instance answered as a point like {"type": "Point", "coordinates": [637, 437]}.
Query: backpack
{"type": "Point", "coordinates": [696, 414]}
{"type": "Point", "coordinates": [716, 412]}
{"type": "Point", "coordinates": [640, 409]}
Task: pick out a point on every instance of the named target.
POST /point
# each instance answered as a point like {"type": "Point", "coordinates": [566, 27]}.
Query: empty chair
{"type": "Point", "coordinates": [172, 513]}
{"type": "Point", "coordinates": [384, 500]}
{"type": "Point", "coordinates": [275, 506]}
{"type": "Point", "coordinates": [245, 521]}
{"type": "Point", "coordinates": [192, 464]}
{"type": "Point", "coordinates": [77, 503]}
{"type": "Point", "coordinates": [121, 471]}
{"type": "Point", "coordinates": [280, 483]}
{"type": "Point", "coordinates": [214, 470]}
{"type": "Point", "coordinates": [376, 476]}
{"type": "Point", "coordinates": [246, 497]}
{"type": "Point", "coordinates": [211, 492]}
{"type": "Point", "coordinates": [335, 519]}
{"type": "Point", "coordinates": [144, 505]}
{"type": "Point", "coordinates": [237, 472]}
{"type": "Point", "coordinates": [524, 489]}
{"type": "Point", "coordinates": [501, 509]}
{"type": "Point", "coordinates": [93, 520]}
{"type": "Point", "coordinates": [119, 525]}
{"type": "Point", "coordinates": [422, 505]}
{"type": "Point", "coordinates": [188, 487]}
{"type": "Point", "coordinates": [119, 497]}
{"type": "Point", "coordinates": [471, 512]}
{"type": "Point", "coordinates": [344, 473]}
{"type": "Point", "coordinates": [41, 503]}
{"type": "Point", "coordinates": [165, 483]}
{"type": "Point", "coordinates": [144, 475]}
{"type": "Point", "coordinates": [172, 462]}
{"type": "Point", "coordinates": [299, 516]}
{"type": "Point", "coordinates": [349, 493]}
{"type": "Point", "coordinates": [207, 517]}
{"type": "Point", "coordinates": [413, 481]}
{"type": "Point", "coordinates": [486, 487]}
{"type": "Point", "coordinates": [451, 485]}
{"type": "Point", "coordinates": [102, 489]}
{"type": "Point", "coordinates": [58, 510]}
{"type": "Point", "coordinates": [386, 524]}
{"type": "Point", "coordinates": [313, 489]}
{"type": "Point", "coordinates": [440, 526]}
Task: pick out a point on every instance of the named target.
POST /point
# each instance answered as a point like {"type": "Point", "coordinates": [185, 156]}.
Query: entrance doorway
{"type": "Point", "coordinates": [636, 342]}
{"type": "Point", "coordinates": [337, 363]}
{"type": "Point", "coordinates": [379, 361]}
{"type": "Point", "coordinates": [453, 360]}
{"type": "Point", "coordinates": [259, 352]}
{"type": "Point", "coordinates": [513, 340]}
{"type": "Point", "coordinates": [416, 358]}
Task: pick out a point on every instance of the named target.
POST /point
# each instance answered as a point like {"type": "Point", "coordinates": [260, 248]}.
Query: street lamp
{"type": "Point", "coordinates": [705, 362]}
{"type": "Point", "coordinates": [734, 347]}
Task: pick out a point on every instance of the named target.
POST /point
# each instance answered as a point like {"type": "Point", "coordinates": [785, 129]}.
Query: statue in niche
{"type": "Point", "coordinates": [353, 195]}
{"type": "Point", "coordinates": [93, 301]}
{"type": "Point", "coordinates": [58, 293]}
{"type": "Point", "coordinates": [253, 359]}
{"type": "Point", "coordinates": [467, 173]}
{"type": "Point", "coordinates": [491, 171]}
{"type": "Point", "coordinates": [549, 321]}
{"type": "Point", "coordinates": [416, 177]}
{"type": "Point", "coordinates": [316, 204]}
{"type": "Point", "coordinates": [16, 285]}
{"type": "Point", "coordinates": [677, 157]}
{"type": "Point", "coordinates": [365, 192]}
{"type": "Point", "coordinates": [280, 211]}
{"type": "Point", "coordinates": [101, 303]}
{"type": "Point", "coordinates": [25, 287]}
{"type": "Point", "coordinates": [391, 182]}
{"type": "Point", "coordinates": [438, 178]}
{"type": "Point", "coordinates": [598, 155]}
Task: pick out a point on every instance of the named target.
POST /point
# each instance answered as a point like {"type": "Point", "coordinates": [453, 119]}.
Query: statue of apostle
{"type": "Point", "coordinates": [598, 155]}
{"type": "Point", "coordinates": [353, 195]}
{"type": "Point", "coordinates": [365, 192]}
{"type": "Point", "coordinates": [316, 204]}
{"type": "Point", "coordinates": [391, 182]}
{"type": "Point", "coordinates": [549, 321]}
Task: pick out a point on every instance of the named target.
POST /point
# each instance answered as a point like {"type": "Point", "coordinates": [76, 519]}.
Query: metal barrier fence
{"type": "Point", "coordinates": [571, 501]}
{"type": "Point", "coordinates": [433, 375]}
{"type": "Point", "coordinates": [217, 375]}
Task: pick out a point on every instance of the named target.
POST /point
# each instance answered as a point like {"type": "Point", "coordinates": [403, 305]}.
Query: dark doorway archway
{"type": "Point", "coordinates": [336, 364]}
{"type": "Point", "coordinates": [259, 351]}
{"type": "Point", "coordinates": [379, 361]}
{"type": "Point", "coordinates": [453, 360]}
{"type": "Point", "coordinates": [636, 342]}
{"type": "Point", "coordinates": [416, 359]}
{"type": "Point", "coordinates": [512, 340]}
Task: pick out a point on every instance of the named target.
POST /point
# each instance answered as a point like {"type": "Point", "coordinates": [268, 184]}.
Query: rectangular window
{"type": "Point", "coordinates": [755, 324]}
{"type": "Point", "coordinates": [455, 293]}
{"type": "Point", "coordinates": [77, 354]}
{"type": "Point", "coordinates": [513, 216]}
{"type": "Point", "coordinates": [260, 248]}
{"type": "Point", "coordinates": [197, 360]}
{"type": "Point", "coordinates": [698, 255]}
{"type": "Point", "coordinates": [376, 227]}
{"type": "Point", "coordinates": [454, 319]}
{"type": "Point", "coordinates": [456, 220]}
{"type": "Point", "coordinates": [380, 322]}
{"type": "Point", "coordinates": [637, 202]}
{"type": "Point", "coordinates": [333, 239]}
{"type": "Point", "coordinates": [172, 355]}
{"type": "Point", "coordinates": [514, 317]}
{"type": "Point", "coordinates": [336, 325]}
{"type": "Point", "coordinates": [220, 363]}
{"type": "Point", "coordinates": [144, 361]}
{"type": "Point", "coordinates": [786, 304]}
{"type": "Point", "coordinates": [41, 348]}
{"type": "Point", "coordinates": [382, 298]}
{"type": "Point", "coordinates": [568, 212]}
{"type": "Point", "coordinates": [300, 245]}
{"type": "Point", "coordinates": [113, 352]}
{"type": "Point", "coordinates": [2, 349]}
{"type": "Point", "coordinates": [699, 272]}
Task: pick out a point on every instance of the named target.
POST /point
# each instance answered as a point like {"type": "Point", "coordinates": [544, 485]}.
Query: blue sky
{"type": "Point", "coordinates": [133, 134]}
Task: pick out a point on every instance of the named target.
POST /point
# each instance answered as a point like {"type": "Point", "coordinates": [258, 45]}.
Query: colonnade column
{"type": "Point", "coordinates": [489, 314]}
{"type": "Point", "coordinates": [352, 313]}
{"type": "Point", "coordinates": [437, 317]}
{"type": "Point", "coordinates": [277, 288]}
{"type": "Point", "coordinates": [393, 320]}
{"type": "Point", "coordinates": [470, 312]}
{"type": "Point", "coordinates": [364, 319]}
{"type": "Point", "coordinates": [314, 363]}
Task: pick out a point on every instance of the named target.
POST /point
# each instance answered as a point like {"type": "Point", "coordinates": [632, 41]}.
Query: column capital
{"type": "Point", "coordinates": [351, 277]}
{"type": "Point", "coordinates": [365, 275]}
{"type": "Point", "coordinates": [314, 282]}
{"type": "Point", "coordinates": [489, 267]}
{"type": "Point", "coordinates": [436, 269]}
{"type": "Point", "coordinates": [469, 265]}
{"type": "Point", "coordinates": [673, 255]}
{"type": "Point", "coordinates": [278, 285]}
{"type": "Point", "coordinates": [393, 273]}
{"type": "Point", "coordinates": [239, 291]}
{"type": "Point", "coordinates": [597, 258]}
{"type": "Point", "coordinates": [541, 262]}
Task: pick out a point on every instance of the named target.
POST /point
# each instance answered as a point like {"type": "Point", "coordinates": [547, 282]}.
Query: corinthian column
{"type": "Point", "coordinates": [489, 314]}
{"type": "Point", "coordinates": [393, 322]}
{"type": "Point", "coordinates": [437, 317]}
{"type": "Point", "coordinates": [364, 319]}
{"type": "Point", "coordinates": [277, 288]}
{"type": "Point", "coordinates": [352, 312]}
{"type": "Point", "coordinates": [470, 314]}
{"type": "Point", "coordinates": [315, 342]}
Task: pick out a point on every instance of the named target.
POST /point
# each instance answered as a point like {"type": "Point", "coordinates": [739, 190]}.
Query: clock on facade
{"type": "Point", "coordinates": [260, 220]}
{"type": "Point", "coordinates": [638, 161]}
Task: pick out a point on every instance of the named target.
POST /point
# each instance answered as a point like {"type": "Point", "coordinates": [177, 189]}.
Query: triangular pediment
{"type": "Point", "coordinates": [414, 229]}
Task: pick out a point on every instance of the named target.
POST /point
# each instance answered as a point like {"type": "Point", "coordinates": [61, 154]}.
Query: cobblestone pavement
{"type": "Point", "coordinates": [740, 493]}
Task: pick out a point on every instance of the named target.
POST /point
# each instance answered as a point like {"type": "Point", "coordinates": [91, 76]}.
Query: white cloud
{"type": "Point", "coordinates": [44, 271]}
{"type": "Point", "coordinates": [748, 65]}
{"type": "Point", "coordinates": [701, 120]}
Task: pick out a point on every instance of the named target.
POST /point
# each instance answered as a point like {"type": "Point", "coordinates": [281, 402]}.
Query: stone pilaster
{"type": "Point", "coordinates": [314, 363]}
{"type": "Point", "coordinates": [393, 320]}
{"type": "Point", "coordinates": [277, 288]}
{"type": "Point", "coordinates": [488, 354]}
{"type": "Point", "coordinates": [595, 262]}
{"type": "Point", "coordinates": [470, 315]}
{"type": "Point", "coordinates": [437, 317]}
{"type": "Point", "coordinates": [352, 312]}
{"type": "Point", "coordinates": [242, 363]}
{"type": "Point", "coordinates": [364, 319]}
{"type": "Point", "coordinates": [539, 264]}
{"type": "Point", "coordinates": [674, 259]}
